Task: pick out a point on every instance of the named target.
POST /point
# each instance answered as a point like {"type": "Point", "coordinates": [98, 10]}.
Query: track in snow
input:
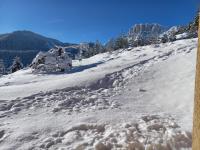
{"type": "Point", "coordinates": [152, 131]}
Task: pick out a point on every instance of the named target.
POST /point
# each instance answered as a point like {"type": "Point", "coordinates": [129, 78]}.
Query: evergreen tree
{"type": "Point", "coordinates": [17, 65]}
{"type": "Point", "coordinates": [98, 48]}
{"type": "Point", "coordinates": [164, 39]}
{"type": "Point", "coordinates": [196, 20]}
{"type": "Point", "coordinates": [78, 56]}
{"type": "Point", "coordinates": [110, 45]}
{"type": "Point", "coordinates": [121, 42]}
{"type": "Point", "coordinates": [2, 67]}
{"type": "Point", "coordinates": [193, 26]}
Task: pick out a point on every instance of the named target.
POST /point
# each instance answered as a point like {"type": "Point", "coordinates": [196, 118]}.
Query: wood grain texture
{"type": "Point", "coordinates": [196, 115]}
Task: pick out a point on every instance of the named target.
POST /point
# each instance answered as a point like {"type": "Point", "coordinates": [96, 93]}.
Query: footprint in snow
{"type": "Point", "coordinates": [142, 90]}
{"type": "Point", "coordinates": [2, 133]}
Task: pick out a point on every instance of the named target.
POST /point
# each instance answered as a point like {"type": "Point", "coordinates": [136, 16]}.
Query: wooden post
{"type": "Point", "coordinates": [196, 115]}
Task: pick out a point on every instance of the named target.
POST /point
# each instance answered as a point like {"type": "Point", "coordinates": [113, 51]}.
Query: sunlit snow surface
{"type": "Point", "coordinates": [134, 98]}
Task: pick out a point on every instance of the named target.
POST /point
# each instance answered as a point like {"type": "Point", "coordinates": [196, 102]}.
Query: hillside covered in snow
{"type": "Point", "coordinates": [131, 98]}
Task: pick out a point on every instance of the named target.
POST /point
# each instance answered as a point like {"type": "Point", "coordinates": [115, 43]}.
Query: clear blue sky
{"type": "Point", "coordinates": [88, 20]}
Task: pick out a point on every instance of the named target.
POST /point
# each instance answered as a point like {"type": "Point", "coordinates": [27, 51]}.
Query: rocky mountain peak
{"type": "Point", "coordinates": [146, 30]}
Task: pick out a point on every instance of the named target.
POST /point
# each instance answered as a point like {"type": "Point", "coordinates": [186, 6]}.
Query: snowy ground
{"type": "Point", "coordinates": [134, 98]}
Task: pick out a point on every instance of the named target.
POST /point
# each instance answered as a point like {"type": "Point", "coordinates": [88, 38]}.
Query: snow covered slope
{"type": "Point", "coordinates": [133, 98]}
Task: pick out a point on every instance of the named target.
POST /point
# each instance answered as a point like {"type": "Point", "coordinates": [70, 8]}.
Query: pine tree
{"type": "Point", "coordinates": [193, 26]}
{"type": "Point", "coordinates": [98, 47]}
{"type": "Point", "coordinates": [2, 67]}
{"type": "Point", "coordinates": [196, 21]}
{"type": "Point", "coordinates": [17, 65]}
{"type": "Point", "coordinates": [121, 42]}
{"type": "Point", "coordinates": [110, 45]}
{"type": "Point", "coordinates": [78, 56]}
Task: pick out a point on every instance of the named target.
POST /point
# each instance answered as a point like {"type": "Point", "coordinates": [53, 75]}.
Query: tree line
{"type": "Point", "coordinates": [16, 65]}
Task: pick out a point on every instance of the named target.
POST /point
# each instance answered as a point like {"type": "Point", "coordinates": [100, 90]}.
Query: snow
{"type": "Point", "coordinates": [171, 30]}
{"type": "Point", "coordinates": [181, 36]}
{"type": "Point", "coordinates": [133, 98]}
{"type": "Point", "coordinates": [55, 60]}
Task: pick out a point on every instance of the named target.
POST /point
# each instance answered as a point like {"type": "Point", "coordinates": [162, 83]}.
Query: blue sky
{"type": "Point", "coordinates": [88, 20]}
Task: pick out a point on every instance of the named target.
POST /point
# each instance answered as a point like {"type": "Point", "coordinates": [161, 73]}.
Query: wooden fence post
{"type": "Point", "coordinates": [196, 115]}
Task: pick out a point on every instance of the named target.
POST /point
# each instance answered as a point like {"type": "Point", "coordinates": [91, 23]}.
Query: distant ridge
{"type": "Point", "coordinates": [27, 40]}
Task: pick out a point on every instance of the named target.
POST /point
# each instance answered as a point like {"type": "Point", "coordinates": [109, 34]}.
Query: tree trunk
{"type": "Point", "coordinates": [196, 115]}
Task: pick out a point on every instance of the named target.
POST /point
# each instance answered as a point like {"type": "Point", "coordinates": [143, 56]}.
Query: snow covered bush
{"type": "Point", "coordinates": [55, 60]}
{"type": "Point", "coordinates": [16, 65]}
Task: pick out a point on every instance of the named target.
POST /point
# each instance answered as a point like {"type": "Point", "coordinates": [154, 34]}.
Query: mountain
{"type": "Point", "coordinates": [27, 40]}
{"type": "Point", "coordinates": [144, 34]}
{"type": "Point", "coordinates": [146, 30]}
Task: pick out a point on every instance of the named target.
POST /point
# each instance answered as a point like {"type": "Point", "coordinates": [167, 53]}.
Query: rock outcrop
{"type": "Point", "coordinates": [144, 34]}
